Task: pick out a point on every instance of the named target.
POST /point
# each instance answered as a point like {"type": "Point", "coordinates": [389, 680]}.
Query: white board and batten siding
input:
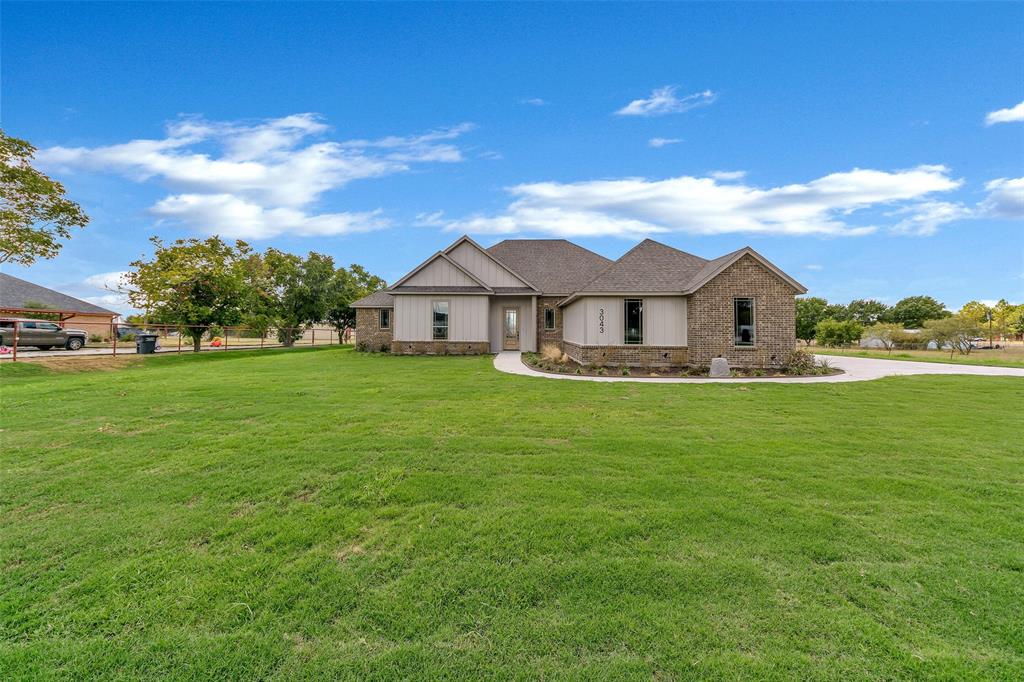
{"type": "Point", "coordinates": [527, 322]}
{"type": "Point", "coordinates": [440, 273]}
{"type": "Point", "coordinates": [484, 267]}
{"type": "Point", "coordinates": [599, 320]}
{"type": "Point", "coordinates": [467, 317]}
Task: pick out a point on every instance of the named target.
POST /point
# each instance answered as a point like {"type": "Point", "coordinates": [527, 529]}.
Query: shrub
{"type": "Point", "coordinates": [95, 338]}
{"type": "Point", "coordinates": [601, 371]}
{"type": "Point", "coordinates": [834, 333]}
{"type": "Point", "coordinates": [362, 346]}
{"type": "Point", "coordinates": [624, 371]}
{"type": "Point", "coordinates": [800, 361]}
{"type": "Point", "coordinates": [552, 353]}
{"type": "Point", "coordinates": [385, 348]}
{"type": "Point", "coordinates": [954, 332]}
{"type": "Point", "coordinates": [127, 338]}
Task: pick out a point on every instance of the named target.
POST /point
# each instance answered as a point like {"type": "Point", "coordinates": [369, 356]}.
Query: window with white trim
{"type": "Point", "coordinates": [385, 318]}
{"type": "Point", "coordinates": [440, 320]}
{"type": "Point", "coordinates": [743, 321]}
{"type": "Point", "coordinates": [549, 318]}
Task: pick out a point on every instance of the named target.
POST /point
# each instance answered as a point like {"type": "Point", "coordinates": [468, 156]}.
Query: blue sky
{"type": "Point", "coordinates": [869, 150]}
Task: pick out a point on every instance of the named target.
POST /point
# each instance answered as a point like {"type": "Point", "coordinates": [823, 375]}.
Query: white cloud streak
{"type": "Point", "coordinates": [665, 101]}
{"type": "Point", "coordinates": [1005, 198]}
{"type": "Point", "coordinates": [634, 207]}
{"type": "Point", "coordinates": [659, 142]}
{"type": "Point", "coordinates": [1011, 115]}
{"type": "Point", "coordinates": [256, 180]}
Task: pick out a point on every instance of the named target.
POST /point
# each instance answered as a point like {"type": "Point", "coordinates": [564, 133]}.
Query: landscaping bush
{"type": "Point", "coordinates": [800, 361]}
{"type": "Point", "coordinates": [95, 338]}
{"type": "Point", "coordinates": [834, 333]}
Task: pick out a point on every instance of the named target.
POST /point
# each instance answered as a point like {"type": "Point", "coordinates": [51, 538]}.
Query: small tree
{"type": "Point", "coordinates": [956, 331]}
{"type": "Point", "coordinates": [913, 311]}
{"type": "Point", "coordinates": [809, 312]}
{"type": "Point", "coordinates": [194, 283]}
{"type": "Point", "coordinates": [886, 333]}
{"type": "Point", "coordinates": [34, 212]}
{"type": "Point", "coordinates": [835, 333]}
{"type": "Point", "coordinates": [349, 286]}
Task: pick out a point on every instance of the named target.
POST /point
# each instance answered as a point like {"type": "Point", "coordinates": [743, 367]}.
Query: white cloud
{"type": "Point", "coordinates": [925, 218]}
{"type": "Point", "coordinates": [533, 101]}
{"type": "Point", "coordinates": [233, 217]}
{"type": "Point", "coordinates": [259, 178]}
{"type": "Point", "coordinates": [665, 101]}
{"type": "Point", "coordinates": [813, 266]}
{"type": "Point", "coordinates": [1011, 115]}
{"type": "Point", "coordinates": [1005, 198]}
{"type": "Point", "coordinates": [633, 207]}
{"type": "Point", "coordinates": [728, 175]}
{"type": "Point", "coordinates": [106, 281]}
{"type": "Point", "coordinates": [658, 142]}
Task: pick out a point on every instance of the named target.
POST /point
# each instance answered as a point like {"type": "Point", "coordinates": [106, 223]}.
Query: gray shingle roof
{"type": "Point", "coordinates": [378, 299]}
{"type": "Point", "coordinates": [15, 292]}
{"type": "Point", "coordinates": [648, 266]}
{"type": "Point", "coordinates": [555, 266]}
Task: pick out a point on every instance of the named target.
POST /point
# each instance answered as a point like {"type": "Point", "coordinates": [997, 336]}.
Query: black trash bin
{"type": "Point", "coordinates": [145, 343]}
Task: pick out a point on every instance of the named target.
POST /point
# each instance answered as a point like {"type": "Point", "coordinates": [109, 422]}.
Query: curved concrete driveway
{"type": "Point", "coordinates": [855, 369]}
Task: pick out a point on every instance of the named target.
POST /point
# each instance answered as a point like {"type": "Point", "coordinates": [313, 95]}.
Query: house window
{"type": "Point", "coordinates": [743, 321]}
{"type": "Point", "coordinates": [634, 321]}
{"type": "Point", "coordinates": [440, 320]}
{"type": "Point", "coordinates": [385, 318]}
{"type": "Point", "coordinates": [549, 318]}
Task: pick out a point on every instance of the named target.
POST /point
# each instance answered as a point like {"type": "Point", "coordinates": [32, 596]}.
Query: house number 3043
{"type": "Point", "coordinates": [600, 320]}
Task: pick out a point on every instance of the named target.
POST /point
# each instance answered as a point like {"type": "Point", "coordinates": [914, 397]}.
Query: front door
{"type": "Point", "coordinates": [511, 340]}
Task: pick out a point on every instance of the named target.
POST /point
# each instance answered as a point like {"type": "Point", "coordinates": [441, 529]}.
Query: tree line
{"type": "Point", "coordinates": [197, 283]}
{"type": "Point", "coordinates": [836, 324]}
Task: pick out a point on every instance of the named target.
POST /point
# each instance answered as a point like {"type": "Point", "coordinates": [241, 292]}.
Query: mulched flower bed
{"type": "Point", "coordinates": [568, 366]}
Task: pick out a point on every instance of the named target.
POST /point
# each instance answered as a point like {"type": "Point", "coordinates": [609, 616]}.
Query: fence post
{"type": "Point", "coordinates": [114, 337]}
{"type": "Point", "coordinates": [313, 342]}
{"type": "Point", "coordinates": [179, 340]}
{"type": "Point", "coordinates": [14, 348]}
{"type": "Point", "coordinates": [226, 337]}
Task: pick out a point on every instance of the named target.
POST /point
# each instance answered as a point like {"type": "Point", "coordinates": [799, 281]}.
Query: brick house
{"type": "Point", "coordinates": [654, 306]}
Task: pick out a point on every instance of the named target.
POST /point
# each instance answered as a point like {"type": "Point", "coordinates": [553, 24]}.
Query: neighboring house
{"type": "Point", "coordinates": [655, 305]}
{"type": "Point", "coordinates": [20, 298]}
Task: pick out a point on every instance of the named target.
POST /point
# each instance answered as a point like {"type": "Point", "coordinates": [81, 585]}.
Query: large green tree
{"type": "Point", "coordinates": [191, 282]}
{"type": "Point", "coordinates": [866, 311]}
{"type": "Point", "coordinates": [349, 286]}
{"type": "Point", "coordinates": [35, 214]}
{"type": "Point", "coordinates": [912, 312]}
{"type": "Point", "coordinates": [809, 312]}
{"type": "Point", "coordinates": [298, 291]}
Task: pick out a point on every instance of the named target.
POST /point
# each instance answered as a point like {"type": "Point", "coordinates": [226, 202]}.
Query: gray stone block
{"type": "Point", "coordinates": [719, 367]}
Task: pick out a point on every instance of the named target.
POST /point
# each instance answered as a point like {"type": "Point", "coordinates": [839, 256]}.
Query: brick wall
{"type": "Point", "coordinates": [549, 335]}
{"type": "Point", "coordinates": [710, 317]}
{"type": "Point", "coordinates": [368, 329]}
{"type": "Point", "coordinates": [632, 356]}
{"type": "Point", "coordinates": [440, 347]}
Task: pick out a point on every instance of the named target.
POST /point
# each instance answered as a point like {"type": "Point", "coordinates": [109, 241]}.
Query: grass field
{"type": "Point", "coordinates": [323, 514]}
{"type": "Point", "coordinates": [1011, 356]}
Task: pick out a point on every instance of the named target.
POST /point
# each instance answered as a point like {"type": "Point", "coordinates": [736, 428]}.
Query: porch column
{"type": "Point", "coordinates": [533, 317]}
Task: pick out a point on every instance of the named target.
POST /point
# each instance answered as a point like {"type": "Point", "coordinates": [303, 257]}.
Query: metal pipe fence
{"type": "Point", "coordinates": [24, 338]}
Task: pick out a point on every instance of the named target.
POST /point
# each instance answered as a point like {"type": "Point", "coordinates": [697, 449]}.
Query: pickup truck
{"type": "Point", "coordinates": [42, 334]}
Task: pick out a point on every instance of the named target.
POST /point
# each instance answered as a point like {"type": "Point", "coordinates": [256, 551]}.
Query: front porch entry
{"type": "Point", "coordinates": [510, 339]}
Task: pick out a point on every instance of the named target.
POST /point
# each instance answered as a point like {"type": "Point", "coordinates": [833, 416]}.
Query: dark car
{"type": "Point", "coordinates": [42, 334]}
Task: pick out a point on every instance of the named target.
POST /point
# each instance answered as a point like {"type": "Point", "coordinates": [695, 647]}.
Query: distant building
{"type": "Point", "coordinates": [20, 298]}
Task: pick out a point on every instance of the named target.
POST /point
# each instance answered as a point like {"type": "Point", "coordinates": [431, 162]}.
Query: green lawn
{"type": "Point", "coordinates": [1012, 356]}
{"type": "Point", "coordinates": [323, 514]}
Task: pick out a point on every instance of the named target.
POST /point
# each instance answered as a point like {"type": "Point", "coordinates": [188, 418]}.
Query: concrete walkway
{"type": "Point", "coordinates": [855, 369]}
